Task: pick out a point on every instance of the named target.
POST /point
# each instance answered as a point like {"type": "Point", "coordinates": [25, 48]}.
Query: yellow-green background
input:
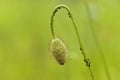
{"type": "Point", "coordinates": [25, 36]}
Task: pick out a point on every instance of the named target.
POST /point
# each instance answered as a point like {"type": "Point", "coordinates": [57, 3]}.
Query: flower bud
{"type": "Point", "coordinates": [58, 50]}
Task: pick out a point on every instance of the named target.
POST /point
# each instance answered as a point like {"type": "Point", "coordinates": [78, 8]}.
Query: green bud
{"type": "Point", "coordinates": [58, 50]}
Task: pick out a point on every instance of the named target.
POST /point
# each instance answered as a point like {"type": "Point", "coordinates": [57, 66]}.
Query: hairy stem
{"type": "Point", "coordinates": [96, 41]}
{"type": "Point", "coordinates": [86, 60]}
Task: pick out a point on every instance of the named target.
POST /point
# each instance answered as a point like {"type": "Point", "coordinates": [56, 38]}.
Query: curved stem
{"type": "Point", "coordinates": [70, 16]}
{"type": "Point", "coordinates": [86, 60]}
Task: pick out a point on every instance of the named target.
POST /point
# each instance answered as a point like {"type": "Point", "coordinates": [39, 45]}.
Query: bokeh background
{"type": "Point", "coordinates": [25, 36]}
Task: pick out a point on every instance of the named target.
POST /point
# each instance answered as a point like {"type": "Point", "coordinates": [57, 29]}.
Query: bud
{"type": "Point", "coordinates": [58, 50]}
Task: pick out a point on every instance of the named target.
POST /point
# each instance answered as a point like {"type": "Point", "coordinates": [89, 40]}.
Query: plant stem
{"type": "Point", "coordinates": [96, 41]}
{"type": "Point", "coordinates": [86, 60]}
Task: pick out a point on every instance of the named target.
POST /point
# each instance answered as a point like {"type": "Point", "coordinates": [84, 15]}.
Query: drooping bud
{"type": "Point", "coordinates": [59, 50]}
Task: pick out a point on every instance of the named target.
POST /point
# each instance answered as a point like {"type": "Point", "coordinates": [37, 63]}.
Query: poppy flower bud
{"type": "Point", "coordinates": [58, 50]}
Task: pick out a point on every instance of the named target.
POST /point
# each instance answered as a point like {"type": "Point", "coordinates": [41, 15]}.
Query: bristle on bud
{"type": "Point", "coordinates": [59, 50]}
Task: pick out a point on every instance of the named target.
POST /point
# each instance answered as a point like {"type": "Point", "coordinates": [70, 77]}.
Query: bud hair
{"type": "Point", "coordinates": [59, 50]}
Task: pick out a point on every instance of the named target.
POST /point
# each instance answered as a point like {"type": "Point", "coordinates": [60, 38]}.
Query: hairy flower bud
{"type": "Point", "coordinates": [59, 50]}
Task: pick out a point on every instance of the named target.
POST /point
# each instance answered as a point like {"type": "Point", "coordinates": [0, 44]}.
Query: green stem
{"type": "Point", "coordinates": [86, 60]}
{"type": "Point", "coordinates": [96, 41]}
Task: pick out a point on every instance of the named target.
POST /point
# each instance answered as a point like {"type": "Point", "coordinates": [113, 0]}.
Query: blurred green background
{"type": "Point", "coordinates": [25, 36]}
